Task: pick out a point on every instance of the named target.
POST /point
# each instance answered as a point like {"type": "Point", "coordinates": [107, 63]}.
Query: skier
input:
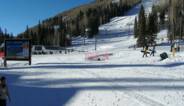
{"type": "Point", "coordinates": [4, 93]}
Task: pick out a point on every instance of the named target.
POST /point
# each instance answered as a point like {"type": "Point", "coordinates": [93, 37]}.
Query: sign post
{"type": "Point", "coordinates": [18, 50]}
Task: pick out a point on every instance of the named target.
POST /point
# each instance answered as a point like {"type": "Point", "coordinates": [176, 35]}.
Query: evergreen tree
{"type": "Point", "coordinates": [152, 26]}
{"type": "Point", "coordinates": [39, 37]}
{"type": "Point", "coordinates": [142, 38]}
{"type": "Point", "coordinates": [93, 22]}
{"type": "Point", "coordinates": [176, 21]}
{"type": "Point", "coordinates": [136, 30]}
{"type": "Point", "coordinates": [27, 33]}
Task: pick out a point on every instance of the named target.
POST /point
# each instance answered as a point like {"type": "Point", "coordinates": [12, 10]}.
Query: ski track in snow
{"type": "Point", "coordinates": [140, 98]}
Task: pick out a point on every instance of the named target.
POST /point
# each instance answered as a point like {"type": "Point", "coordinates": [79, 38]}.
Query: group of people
{"type": "Point", "coordinates": [4, 93]}
{"type": "Point", "coordinates": [147, 51]}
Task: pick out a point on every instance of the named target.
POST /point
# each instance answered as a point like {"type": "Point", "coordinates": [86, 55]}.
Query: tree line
{"type": "Point", "coordinates": [59, 30]}
{"type": "Point", "coordinates": [5, 35]}
{"type": "Point", "coordinates": [171, 15]}
{"type": "Point", "coordinates": [176, 20]}
{"type": "Point", "coordinates": [146, 27]}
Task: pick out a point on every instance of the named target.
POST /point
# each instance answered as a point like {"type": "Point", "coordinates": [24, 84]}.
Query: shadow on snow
{"type": "Point", "coordinates": [33, 94]}
{"type": "Point", "coordinates": [91, 66]}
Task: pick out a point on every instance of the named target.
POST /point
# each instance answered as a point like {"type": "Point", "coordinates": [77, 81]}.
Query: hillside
{"type": "Point", "coordinates": [54, 30]}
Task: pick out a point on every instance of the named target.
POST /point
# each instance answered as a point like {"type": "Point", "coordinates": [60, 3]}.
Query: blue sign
{"type": "Point", "coordinates": [17, 49]}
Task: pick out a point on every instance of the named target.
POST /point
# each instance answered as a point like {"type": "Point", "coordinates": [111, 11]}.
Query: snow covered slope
{"type": "Point", "coordinates": [126, 23]}
{"type": "Point", "coordinates": [125, 79]}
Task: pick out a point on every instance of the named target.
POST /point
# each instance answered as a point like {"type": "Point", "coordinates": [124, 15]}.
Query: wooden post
{"type": "Point", "coordinates": [5, 63]}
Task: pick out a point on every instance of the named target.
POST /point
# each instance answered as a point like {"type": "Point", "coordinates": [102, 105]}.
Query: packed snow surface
{"type": "Point", "coordinates": [123, 79]}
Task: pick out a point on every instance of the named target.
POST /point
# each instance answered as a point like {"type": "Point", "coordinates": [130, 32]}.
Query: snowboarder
{"type": "Point", "coordinates": [145, 51]}
{"type": "Point", "coordinates": [4, 93]}
{"type": "Point", "coordinates": [153, 51]}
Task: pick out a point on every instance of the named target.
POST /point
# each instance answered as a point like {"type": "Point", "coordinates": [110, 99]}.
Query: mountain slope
{"type": "Point", "coordinates": [53, 31]}
{"type": "Point", "coordinates": [125, 23]}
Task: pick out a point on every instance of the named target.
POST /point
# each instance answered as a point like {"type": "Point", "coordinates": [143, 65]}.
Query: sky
{"type": "Point", "coordinates": [15, 15]}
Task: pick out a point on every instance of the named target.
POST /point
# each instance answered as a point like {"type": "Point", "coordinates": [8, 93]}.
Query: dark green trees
{"type": "Point", "coordinates": [136, 29]}
{"type": "Point", "coordinates": [5, 35]}
{"type": "Point", "coordinates": [146, 28]}
{"type": "Point", "coordinates": [142, 37]}
{"type": "Point", "coordinates": [176, 20]}
{"type": "Point", "coordinates": [152, 27]}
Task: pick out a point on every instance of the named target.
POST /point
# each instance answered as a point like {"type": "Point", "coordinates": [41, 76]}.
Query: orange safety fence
{"type": "Point", "coordinates": [95, 56]}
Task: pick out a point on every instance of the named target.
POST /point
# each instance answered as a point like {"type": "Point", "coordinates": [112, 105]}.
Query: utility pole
{"type": "Point", "coordinates": [86, 34]}
{"type": "Point", "coordinates": [129, 30]}
{"type": "Point", "coordinates": [95, 42]}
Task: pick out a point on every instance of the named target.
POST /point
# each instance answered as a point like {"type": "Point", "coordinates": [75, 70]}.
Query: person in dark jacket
{"type": "Point", "coordinates": [4, 93]}
{"type": "Point", "coordinates": [153, 51]}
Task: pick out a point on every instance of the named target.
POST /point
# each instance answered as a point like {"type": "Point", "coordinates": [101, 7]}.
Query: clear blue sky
{"type": "Point", "coordinates": [15, 15]}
